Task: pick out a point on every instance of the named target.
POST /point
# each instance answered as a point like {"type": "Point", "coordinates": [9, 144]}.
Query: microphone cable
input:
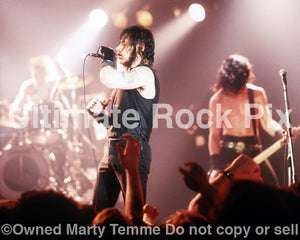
{"type": "Point", "coordinates": [85, 103]}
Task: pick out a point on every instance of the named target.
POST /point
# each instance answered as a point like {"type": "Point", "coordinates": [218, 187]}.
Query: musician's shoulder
{"type": "Point", "coordinates": [255, 87]}
{"type": "Point", "coordinates": [217, 96]}
{"type": "Point", "coordinates": [29, 83]}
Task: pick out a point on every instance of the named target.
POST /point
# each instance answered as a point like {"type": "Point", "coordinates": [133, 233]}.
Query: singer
{"type": "Point", "coordinates": [234, 89]}
{"type": "Point", "coordinates": [136, 88]}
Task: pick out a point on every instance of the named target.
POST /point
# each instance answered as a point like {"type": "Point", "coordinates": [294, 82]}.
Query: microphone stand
{"type": "Point", "coordinates": [290, 157]}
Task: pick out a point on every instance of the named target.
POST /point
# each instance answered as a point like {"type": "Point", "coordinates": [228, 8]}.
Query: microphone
{"type": "Point", "coordinates": [282, 74]}
{"type": "Point", "coordinates": [105, 53]}
{"type": "Point", "coordinates": [95, 55]}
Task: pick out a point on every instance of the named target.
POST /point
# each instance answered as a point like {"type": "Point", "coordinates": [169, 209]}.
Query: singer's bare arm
{"type": "Point", "coordinates": [140, 78]}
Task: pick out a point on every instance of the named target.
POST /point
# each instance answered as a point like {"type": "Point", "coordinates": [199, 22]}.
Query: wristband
{"type": "Point", "coordinates": [105, 63]}
{"type": "Point", "coordinates": [216, 158]}
{"type": "Point", "coordinates": [279, 134]}
{"type": "Point", "coordinates": [228, 174]}
{"type": "Point", "coordinates": [215, 161]}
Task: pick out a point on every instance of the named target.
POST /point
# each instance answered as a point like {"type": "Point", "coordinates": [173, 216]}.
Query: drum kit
{"type": "Point", "coordinates": [48, 150]}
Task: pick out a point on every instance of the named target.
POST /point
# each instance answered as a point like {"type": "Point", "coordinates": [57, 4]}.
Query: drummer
{"type": "Point", "coordinates": [38, 89]}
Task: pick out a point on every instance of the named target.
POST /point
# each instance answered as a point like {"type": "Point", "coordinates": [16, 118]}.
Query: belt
{"type": "Point", "coordinates": [239, 146]}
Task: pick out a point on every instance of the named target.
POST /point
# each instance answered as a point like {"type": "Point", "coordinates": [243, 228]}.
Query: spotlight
{"type": "Point", "coordinates": [144, 18]}
{"type": "Point", "coordinates": [98, 18]}
{"type": "Point", "coordinates": [199, 141]}
{"type": "Point", "coordinates": [197, 12]}
{"type": "Point", "coordinates": [177, 12]}
{"type": "Point", "coordinates": [119, 19]}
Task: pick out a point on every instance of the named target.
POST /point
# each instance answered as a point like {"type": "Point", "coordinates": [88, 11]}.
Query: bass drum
{"type": "Point", "coordinates": [22, 168]}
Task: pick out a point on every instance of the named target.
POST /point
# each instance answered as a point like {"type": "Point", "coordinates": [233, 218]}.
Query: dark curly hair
{"type": "Point", "coordinates": [140, 35]}
{"type": "Point", "coordinates": [233, 74]}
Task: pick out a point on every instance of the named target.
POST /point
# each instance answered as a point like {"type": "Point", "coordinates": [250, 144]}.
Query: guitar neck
{"type": "Point", "coordinates": [269, 151]}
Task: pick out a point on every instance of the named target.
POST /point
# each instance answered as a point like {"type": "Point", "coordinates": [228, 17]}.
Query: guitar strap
{"type": "Point", "coordinates": [252, 111]}
{"type": "Point", "coordinates": [267, 168]}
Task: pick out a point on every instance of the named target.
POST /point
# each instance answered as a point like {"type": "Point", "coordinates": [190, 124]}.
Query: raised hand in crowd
{"type": "Point", "coordinates": [129, 159]}
{"type": "Point", "coordinates": [243, 167]}
{"type": "Point", "coordinates": [195, 177]}
{"type": "Point", "coordinates": [150, 213]}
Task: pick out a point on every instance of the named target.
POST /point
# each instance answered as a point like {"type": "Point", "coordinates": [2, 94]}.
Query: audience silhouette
{"type": "Point", "coordinates": [236, 197]}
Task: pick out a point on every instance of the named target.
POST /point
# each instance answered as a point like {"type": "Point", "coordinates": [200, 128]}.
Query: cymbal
{"type": "Point", "coordinates": [74, 81]}
{"type": "Point", "coordinates": [44, 138]}
{"type": "Point", "coordinates": [10, 124]}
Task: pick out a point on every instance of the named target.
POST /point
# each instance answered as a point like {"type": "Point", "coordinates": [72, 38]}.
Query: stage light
{"type": "Point", "coordinates": [119, 19]}
{"type": "Point", "coordinates": [177, 12]}
{"type": "Point", "coordinates": [197, 12]}
{"type": "Point", "coordinates": [83, 41]}
{"type": "Point", "coordinates": [144, 18]}
{"type": "Point", "coordinates": [98, 18]}
{"type": "Point", "coordinates": [200, 141]}
{"type": "Point", "coordinates": [179, 26]}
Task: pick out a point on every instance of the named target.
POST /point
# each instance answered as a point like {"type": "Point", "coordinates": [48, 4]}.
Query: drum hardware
{"type": "Point", "coordinates": [73, 81]}
{"type": "Point", "coordinates": [77, 182]}
{"type": "Point", "coordinates": [28, 159]}
{"type": "Point", "coordinates": [6, 123]}
{"type": "Point", "coordinates": [73, 183]}
{"type": "Point", "coordinates": [18, 139]}
{"type": "Point", "coordinates": [45, 137]}
{"type": "Point", "coordinates": [10, 124]}
{"type": "Point", "coordinates": [35, 152]}
{"type": "Point", "coordinates": [39, 166]}
{"type": "Point", "coordinates": [22, 168]}
{"type": "Point", "coordinates": [56, 155]}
